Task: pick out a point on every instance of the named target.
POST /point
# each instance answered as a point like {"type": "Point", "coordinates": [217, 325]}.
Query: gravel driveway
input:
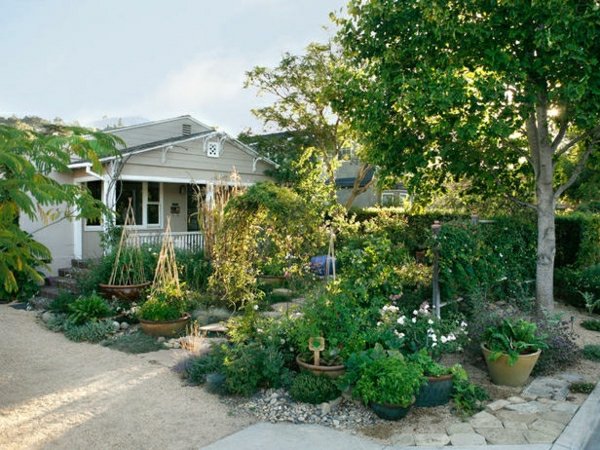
{"type": "Point", "coordinates": [58, 394]}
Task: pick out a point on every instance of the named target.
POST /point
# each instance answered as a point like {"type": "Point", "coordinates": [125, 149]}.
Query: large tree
{"type": "Point", "coordinates": [27, 159]}
{"type": "Point", "coordinates": [303, 91]}
{"type": "Point", "coordinates": [497, 91]}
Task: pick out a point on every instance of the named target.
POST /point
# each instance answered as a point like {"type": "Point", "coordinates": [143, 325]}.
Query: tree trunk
{"type": "Point", "coordinates": [546, 242]}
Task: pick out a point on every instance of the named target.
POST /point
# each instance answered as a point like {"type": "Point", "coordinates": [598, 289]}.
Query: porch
{"type": "Point", "coordinates": [182, 240]}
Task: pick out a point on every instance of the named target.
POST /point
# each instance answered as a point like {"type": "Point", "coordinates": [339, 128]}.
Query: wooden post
{"type": "Point", "coordinates": [436, 303]}
{"type": "Point", "coordinates": [316, 345]}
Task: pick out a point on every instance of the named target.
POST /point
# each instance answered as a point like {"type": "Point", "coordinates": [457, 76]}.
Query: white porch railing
{"type": "Point", "coordinates": [185, 240]}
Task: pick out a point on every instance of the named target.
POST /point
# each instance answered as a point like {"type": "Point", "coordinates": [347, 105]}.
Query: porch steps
{"type": "Point", "coordinates": [65, 281]}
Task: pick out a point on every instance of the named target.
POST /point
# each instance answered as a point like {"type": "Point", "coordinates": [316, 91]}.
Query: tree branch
{"type": "Point", "coordinates": [578, 168]}
{"type": "Point", "coordinates": [576, 140]}
{"type": "Point", "coordinates": [521, 202]}
{"type": "Point", "coordinates": [561, 133]}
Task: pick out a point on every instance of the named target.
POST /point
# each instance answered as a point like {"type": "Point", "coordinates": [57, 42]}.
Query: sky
{"type": "Point", "coordinates": [81, 60]}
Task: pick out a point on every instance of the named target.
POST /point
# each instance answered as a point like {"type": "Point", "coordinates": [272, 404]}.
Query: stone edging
{"type": "Point", "coordinates": [584, 423]}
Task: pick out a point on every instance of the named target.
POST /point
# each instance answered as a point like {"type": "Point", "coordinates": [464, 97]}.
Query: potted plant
{"type": "Point", "coordinates": [438, 388]}
{"type": "Point", "coordinates": [127, 279]}
{"type": "Point", "coordinates": [511, 349]}
{"type": "Point", "coordinates": [164, 313]}
{"type": "Point", "coordinates": [389, 385]}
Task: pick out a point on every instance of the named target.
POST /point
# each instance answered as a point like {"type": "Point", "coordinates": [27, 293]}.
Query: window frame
{"type": "Point", "coordinates": [145, 225]}
{"type": "Point", "coordinates": [100, 225]}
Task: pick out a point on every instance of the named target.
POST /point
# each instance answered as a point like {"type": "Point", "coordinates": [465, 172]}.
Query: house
{"type": "Point", "coordinates": [161, 167]}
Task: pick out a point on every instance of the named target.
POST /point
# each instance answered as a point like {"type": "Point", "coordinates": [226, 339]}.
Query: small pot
{"type": "Point", "coordinates": [503, 374]}
{"type": "Point", "coordinates": [330, 371]}
{"type": "Point", "coordinates": [436, 392]}
{"type": "Point", "coordinates": [166, 328]}
{"type": "Point", "coordinates": [390, 412]}
{"type": "Point", "coordinates": [126, 292]}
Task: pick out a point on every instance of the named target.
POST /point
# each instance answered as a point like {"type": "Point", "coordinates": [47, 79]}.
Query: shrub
{"type": "Point", "coordinates": [164, 303]}
{"type": "Point", "coordinates": [513, 338]}
{"type": "Point", "coordinates": [562, 349]}
{"type": "Point", "coordinates": [56, 323]}
{"type": "Point", "coordinates": [61, 303]}
{"type": "Point", "coordinates": [577, 237]}
{"type": "Point", "coordinates": [90, 331]}
{"type": "Point", "coordinates": [198, 368]}
{"type": "Point", "coordinates": [193, 269]}
{"type": "Point", "coordinates": [591, 352]}
{"type": "Point", "coordinates": [314, 389]}
{"type": "Point", "coordinates": [134, 343]}
{"type": "Point", "coordinates": [248, 367]}
{"type": "Point", "coordinates": [468, 398]}
{"type": "Point", "coordinates": [573, 285]}
{"type": "Point", "coordinates": [88, 309]}
{"type": "Point", "coordinates": [592, 324]}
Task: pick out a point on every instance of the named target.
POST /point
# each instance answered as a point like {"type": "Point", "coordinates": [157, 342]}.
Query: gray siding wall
{"type": "Point", "coordinates": [143, 134]}
{"type": "Point", "coordinates": [364, 200]}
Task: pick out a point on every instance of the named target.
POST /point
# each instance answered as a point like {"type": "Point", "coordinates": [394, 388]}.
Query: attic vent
{"type": "Point", "coordinates": [186, 129]}
{"type": "Point", "coordinates": [212, 149]}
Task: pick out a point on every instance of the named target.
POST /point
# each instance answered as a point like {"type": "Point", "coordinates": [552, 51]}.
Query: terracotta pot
{"type": "Point", "coordinates": [506, 375]}
{"type": "Point", "coordinates": [436, 392]}
{"type": "Point", "coordinates": [390, 412]}
{"type": "Point", "coordinates": [166, 328]}
{"type": "Point", "coordinates": [126, 292]}
{"type": "Point", "coordinates": [330, 371]}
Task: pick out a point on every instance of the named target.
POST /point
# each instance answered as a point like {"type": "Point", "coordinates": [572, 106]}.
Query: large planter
{"type": "Point", "coordinates": [166, 328]}
{"type": "Point", "coordinates": [330, 371]}
{"type": "Point", "coordinates": [504, 374]}
{"type": "Point", "coordinates": [436, 392]}
{"type": "Point", "coordinates": [390, 412]}
{"type": "Point", "coordinates": [125, 292]}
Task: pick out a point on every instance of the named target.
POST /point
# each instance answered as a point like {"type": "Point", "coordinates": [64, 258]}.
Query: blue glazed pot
{"type": "Point", "coordinates": [436, 392]}
{"type": "Point", "coordinates": [390, 412]}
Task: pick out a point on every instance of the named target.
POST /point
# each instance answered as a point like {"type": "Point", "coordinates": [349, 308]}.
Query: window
{"type": "Point", "coordinates": [95, 188]}
{"type": "Point", "coordinates": [212, 149]}
{"type": "Point", "coordinates": [145, 200]}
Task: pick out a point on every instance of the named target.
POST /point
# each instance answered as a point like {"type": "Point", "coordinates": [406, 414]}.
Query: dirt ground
{"type": "Point", "coordinates": [63, 395]}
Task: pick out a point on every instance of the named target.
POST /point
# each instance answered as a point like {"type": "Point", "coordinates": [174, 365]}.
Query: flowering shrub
{"type": "Point", "coordinates": [420, 330]}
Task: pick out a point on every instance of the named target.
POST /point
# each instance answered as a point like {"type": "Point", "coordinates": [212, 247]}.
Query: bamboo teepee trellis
{"type": "Point", "coordinates": [166, 274]}
{"type": "Point", "coordinates": [128, 266]}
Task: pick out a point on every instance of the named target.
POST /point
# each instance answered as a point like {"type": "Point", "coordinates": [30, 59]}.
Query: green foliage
{"type": "Point", "coordinates": [573, 285]}
{"type": "Point", "coordinates": [164, 303]}
{"type": "Point", "coordinates": [592, 324]}
{"type": "Point", "coordinates": [313, 389]}
{"type": "Point", "coordinates": [577, 237]}
{"type": "Point", "coordinates": [389, 380]}
{"type": "Point", "coordinates": [562, 351]}
{"type": "Point", "coordinates": [468, 398]}
{"type": "Point", "coordinates": [137, 342]}
{"type": "Point", "coordinates": [266, 226]}
{"type": "Point", "coordinates": [429, 367]}
{"type": "Point", "coordinates": [513, 338]}
{"type": "Point", "coordinates": [61, 303]}
{"type": "Point", "coordinates": [194, 269]}
{"type": "Point", "coordinates": [88, 309]}
{"type": "Point", "coordinates": [248, 367]}
{"type": "Point", "coordinates": [581, 387]}
{"type": "Point", "coordinates": [212, 362]}
{"type": "Point", "coordinates": [56, 323]}
{"type": "Point", "coordinates": [591, 352]}
{"type": "Point", "coordinates": [27, 158]}
{"type": "Point", "coordinates": [89, 331]}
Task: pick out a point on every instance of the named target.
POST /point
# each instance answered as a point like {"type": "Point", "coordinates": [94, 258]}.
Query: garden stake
{"type": "Point", "coordinates": [316, 349]}
{"type": "Point", "coordinates": [435, 228]}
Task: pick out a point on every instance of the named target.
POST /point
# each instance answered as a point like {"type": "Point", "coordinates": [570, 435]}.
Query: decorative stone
{"type": "Point", "coordinates": [548, 387]}
{"type": "Point", "coordinates": [124, 325]}
{"type": "Point", "coordinates": [516, 400]}
{"type": "Point", "coordinates": [461, 427]}
{"type": "Point", "coordinates": [116, 325]}
{"type": "Point", "coordinates": [403, 440]}
{"type": "Point", "coordinates": [547, 427]}
{"type": "Point", "coordinates": [570, 408]}
{"type": "Point", "coordinates": [463, 439]}
{"type": "Point", "coordinates": [432, 439]}
{"type": "Point", "coordinates": [485, 420]}
{"type": "Point", "coordinates": [516, 416]}
{"type": "Point", "coordinates": [496, 436]}
{"type": "Point", "coordinates": [160, 340]}
{"type": "Point", "coordinates": [511, 425]}
{"type": "Point", "coordinates": [571, 377]}
{"type": "Point", "coordinates": [498, 404]}
{"type": "Point", "coordinates": [529, 407]}
{"type": "Point", "coordinates": [325, 408]}
{"type": "Point", "coordinates": [557, 416]}
{"type": "Point", "coordinates": [537, 437]}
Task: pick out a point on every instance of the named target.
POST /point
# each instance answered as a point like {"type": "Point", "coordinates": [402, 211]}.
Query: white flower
{"type": "Point", "coordinates": [400, 335]}
{"type": "Point", "coordinates": [259, 330]}
{"type": "Point", "coordinates": [379, 324]}
{"type": "Point", "coordinates": [444, 339]}
{"type": "Point", "coordinates": [430, 331]}
{"type": "Point", "coordinates": [434, 344]}
{"type": "Point", "coordinates": [415, 312]}
{"type": "Point", "coordinates": [255, 307]}
{"type": "Point", "coordinates": [451, 337]}
{"type": "Point", "coordinates": [414, 320]}
{"type": "Point", "coordinates": [401, 320]}
{"type": "Point", "coordinates": [430, 322]}
{"type": "Point", "coordinates": [434, 338]}
{"type": "Point", "coordinates": [463, 324]}
{"type": "Point", "coordinates": [282, 341]}
{"type": "Point", "coordinates": [501, 255]}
